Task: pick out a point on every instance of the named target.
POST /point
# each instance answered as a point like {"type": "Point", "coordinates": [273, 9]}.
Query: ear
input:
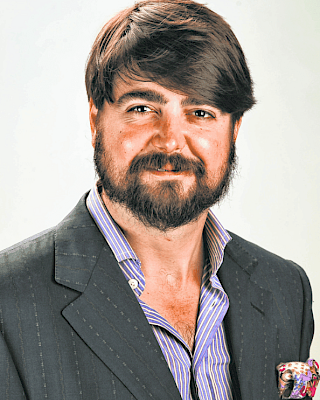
{"type": "Point", "coordinates": [236, 129]}
{"type": "Point", "coordinates": [93, 113]}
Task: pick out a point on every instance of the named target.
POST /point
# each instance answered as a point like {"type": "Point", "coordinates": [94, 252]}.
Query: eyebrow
{"type": "Point", "coordinates": [148, 95]}
{"type": "Point", "coordinates": [193, 101]}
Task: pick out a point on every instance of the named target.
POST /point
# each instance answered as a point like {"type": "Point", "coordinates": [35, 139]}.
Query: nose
{"type": "Point", "coordinates": [170, 134]}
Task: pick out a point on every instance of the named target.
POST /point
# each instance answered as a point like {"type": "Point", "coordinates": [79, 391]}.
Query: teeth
{"type": "Point", "coordinates": [166, 170]}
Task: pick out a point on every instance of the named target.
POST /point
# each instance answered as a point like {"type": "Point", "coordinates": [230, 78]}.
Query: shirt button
{"type": "Point", "coordinates": [133, 283]}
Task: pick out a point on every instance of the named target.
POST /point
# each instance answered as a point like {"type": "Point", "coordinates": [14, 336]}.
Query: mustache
{"type": "Point", "coordinates": [156, 161]}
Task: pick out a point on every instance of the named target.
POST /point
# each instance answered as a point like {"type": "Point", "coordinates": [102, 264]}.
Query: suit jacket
{"type": "Point", "coordinates": [72, 327]}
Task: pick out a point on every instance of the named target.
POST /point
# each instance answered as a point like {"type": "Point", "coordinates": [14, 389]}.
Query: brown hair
{"type": "Point", "coordinates": [181, 45]}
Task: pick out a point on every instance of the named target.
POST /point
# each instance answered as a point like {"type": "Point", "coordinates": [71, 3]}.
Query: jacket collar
{"type": "Point", "coordinates": [78, 244]}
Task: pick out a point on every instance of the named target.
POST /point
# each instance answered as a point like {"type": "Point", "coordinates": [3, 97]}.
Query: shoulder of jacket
{"type": "Point", "coordinates": [238, 246]}
{"type": "Point", "coordinates": [27, 252]}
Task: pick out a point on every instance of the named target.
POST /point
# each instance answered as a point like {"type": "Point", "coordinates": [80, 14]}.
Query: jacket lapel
{"type": "Point", "coordinates": [250, 330]}
{"type": "Point", "coordinates": [107, 315]}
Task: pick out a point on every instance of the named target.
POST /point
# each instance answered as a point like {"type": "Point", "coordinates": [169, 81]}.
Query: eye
{"type": "Point", "coordinates": [140, 109]}
{"type": "Point", "coordinates": [203, 114]}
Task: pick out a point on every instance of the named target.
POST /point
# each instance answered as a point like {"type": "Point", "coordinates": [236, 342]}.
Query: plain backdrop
{"type": "Point", "coordinates": [45, 150]}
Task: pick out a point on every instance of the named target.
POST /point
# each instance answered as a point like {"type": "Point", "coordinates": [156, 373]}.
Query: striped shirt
{"type": "Point", "coordinates": [207, 369]}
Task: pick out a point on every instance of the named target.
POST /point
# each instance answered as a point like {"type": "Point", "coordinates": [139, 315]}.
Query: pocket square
{"type": "Point", "coordinates": [298, 379]}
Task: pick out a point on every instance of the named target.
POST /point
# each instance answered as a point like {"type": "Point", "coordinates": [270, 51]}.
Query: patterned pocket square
{"type": "Point", "coordinates": [298, 379]}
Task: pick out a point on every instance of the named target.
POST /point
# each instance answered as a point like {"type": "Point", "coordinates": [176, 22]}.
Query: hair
{"type": "Point", "coordinates": [181, 45]}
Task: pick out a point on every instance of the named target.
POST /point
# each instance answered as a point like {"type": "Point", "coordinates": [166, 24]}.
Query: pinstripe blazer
{"type": "Point", "coordinates": [73, 329]}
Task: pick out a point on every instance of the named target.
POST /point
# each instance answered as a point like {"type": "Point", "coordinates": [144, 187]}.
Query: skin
{"type": "Point", "coordinates": [146, 117]}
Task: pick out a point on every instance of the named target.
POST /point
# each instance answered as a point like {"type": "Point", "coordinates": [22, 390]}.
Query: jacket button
{"type": "Point", "coordinates": [133, 283]}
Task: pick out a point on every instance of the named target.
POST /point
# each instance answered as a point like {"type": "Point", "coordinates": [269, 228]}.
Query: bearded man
{"type": "Point", "coordinates": [140, 292]}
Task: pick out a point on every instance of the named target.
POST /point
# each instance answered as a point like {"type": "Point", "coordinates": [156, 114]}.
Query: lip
{"type": "Point", "coordinates": [168, 174]}
{"type": "Point", "coordinates": [162, 172]}
{"type": "Point", "coordinates": [167, 169]}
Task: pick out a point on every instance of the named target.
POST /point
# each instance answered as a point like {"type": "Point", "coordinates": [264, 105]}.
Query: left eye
{"type": "Point", "coordinates": [140, 109]}
{"type": "Point", "coordinates": [203, 114]}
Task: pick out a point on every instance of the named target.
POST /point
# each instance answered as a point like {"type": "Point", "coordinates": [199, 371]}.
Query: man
{"type": "Point", "coordinates": [140, 292]}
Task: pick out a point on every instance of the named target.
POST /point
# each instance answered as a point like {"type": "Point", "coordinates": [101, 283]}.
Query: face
{"type": "Point", "coordinates": [164, 156]}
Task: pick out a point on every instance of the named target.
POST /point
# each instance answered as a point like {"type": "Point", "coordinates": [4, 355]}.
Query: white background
{"type": "Point", "coordinates": [45, 151]}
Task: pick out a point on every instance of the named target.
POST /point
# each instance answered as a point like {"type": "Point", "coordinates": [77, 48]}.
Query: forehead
{"type": "Point", "coordinates": [128, 89]}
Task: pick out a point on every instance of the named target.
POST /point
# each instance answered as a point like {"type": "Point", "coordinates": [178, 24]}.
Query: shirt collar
{"type": "Point", "coordinates": [108, 227]}
{"type": "Point", "coordinates": [216, 240]}
{"type": "Point", "coordinates": [216, 236]}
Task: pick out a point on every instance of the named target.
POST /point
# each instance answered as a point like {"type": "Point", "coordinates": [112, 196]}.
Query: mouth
{"type": "Point", "coordinates": [168, 173]}
{"type": "Point", "coordinates": [167, 170]}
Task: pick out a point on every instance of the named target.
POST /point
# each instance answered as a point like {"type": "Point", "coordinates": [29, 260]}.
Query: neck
{"type": "Point", "coordinates": [176, 254]}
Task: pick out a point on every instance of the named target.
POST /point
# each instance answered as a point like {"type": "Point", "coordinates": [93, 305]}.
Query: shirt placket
{"type": "Point", "coordinates": [213, 307]}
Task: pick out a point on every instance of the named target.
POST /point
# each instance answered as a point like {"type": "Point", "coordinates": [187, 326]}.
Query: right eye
{"type": "Point", "coordinates": [140, 109]}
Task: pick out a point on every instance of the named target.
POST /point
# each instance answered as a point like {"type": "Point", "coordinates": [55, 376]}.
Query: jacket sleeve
{"type": "Point", "coordinates": [307, 326]}
{"type": "Point", "coordinates": [10, 383]}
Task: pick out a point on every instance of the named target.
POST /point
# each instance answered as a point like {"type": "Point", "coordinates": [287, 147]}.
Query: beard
{"type": "Point", "coordinates": [165, 205]}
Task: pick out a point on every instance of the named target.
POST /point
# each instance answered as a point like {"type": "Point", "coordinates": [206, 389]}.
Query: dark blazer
{"type": "Point", "coordinates": [73, 329]}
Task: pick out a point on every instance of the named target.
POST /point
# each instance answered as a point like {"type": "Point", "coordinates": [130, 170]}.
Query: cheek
{"type": "Point", "coordinates": [204, 144]}
{"type": "Point", "coordinates": [212, 151]}
{"type": "Point", "coordinates": [129, 146]}
{"type": "Point", "coordinates": [133, 141]}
